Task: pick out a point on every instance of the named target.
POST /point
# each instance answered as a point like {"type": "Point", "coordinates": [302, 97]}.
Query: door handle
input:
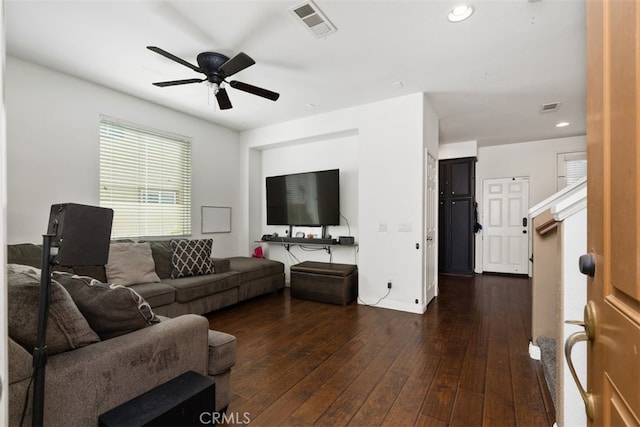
{"type": "Point", "coordinates": [524, 221]}
{"type": "Point", "coordinates": [588, 334]}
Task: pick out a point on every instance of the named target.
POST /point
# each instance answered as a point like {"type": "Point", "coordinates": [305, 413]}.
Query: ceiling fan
{"type": "Point", "coordinates": [217, 67]}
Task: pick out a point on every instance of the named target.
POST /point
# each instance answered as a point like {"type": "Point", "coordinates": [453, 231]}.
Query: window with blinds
{"type": "Point", "coordinates": [145, 177]}
{"type": "Point", "coordinates": [572, 167]}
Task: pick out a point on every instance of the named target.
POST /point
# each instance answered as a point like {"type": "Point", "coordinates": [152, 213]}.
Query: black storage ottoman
{"type": "Point", "coordinates": [187, 400]}
{"type": "Point", "coordinates": [325, 282]}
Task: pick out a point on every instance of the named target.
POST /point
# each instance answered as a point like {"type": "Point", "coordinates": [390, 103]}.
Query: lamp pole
{"type": "Point", "coordinates": [40, 350]}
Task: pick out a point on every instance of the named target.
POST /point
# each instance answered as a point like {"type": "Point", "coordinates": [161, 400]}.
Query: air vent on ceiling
{"type": "Point", "coordinates": [550, 107]}
{"type": "Point", "coordinates": [313, 19]}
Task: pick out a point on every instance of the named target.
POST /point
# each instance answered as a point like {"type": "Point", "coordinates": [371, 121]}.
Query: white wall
{"type": "Point", "coordinates": [53, 150]}
{"type": "Point", "coordinates": [536, 160]}
{"type": "Point", "coordinates": [390, 137]}
{"type": "Point", "coordinates": [334, 153]}
{"type": "Point", "coordinates": [457, 150]}
{"type": "Point", "coordinates": [4, 356]}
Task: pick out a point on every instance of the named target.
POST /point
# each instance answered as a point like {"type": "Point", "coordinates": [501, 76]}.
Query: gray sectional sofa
{"type": "Point", "coordinates": [234, 279]}
{"type": "Point", "coordinates": [91, 377]}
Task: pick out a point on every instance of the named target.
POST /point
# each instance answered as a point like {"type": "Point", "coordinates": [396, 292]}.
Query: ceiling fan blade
{"type": "Point", "coordinates": [255, 90]}
{"type": "Point", "coordinates": [178, 82]}
{"type": "Point", "coordinates": [237, 63]}
{"type": "Point", "coordinates": [173, 58]}
{"type": "Point", "coordinates": [223, 99]}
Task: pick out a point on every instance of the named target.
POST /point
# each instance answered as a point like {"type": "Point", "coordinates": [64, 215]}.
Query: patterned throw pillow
{"type": "Point", "coordinates": [191, 257]}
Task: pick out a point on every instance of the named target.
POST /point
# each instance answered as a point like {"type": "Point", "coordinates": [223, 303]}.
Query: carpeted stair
{"type": "Point", "coordinates": [548, 359]}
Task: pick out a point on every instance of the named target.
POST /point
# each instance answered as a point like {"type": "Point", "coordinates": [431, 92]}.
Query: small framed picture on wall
{"type": "Point", "coordinates": [216, 219]}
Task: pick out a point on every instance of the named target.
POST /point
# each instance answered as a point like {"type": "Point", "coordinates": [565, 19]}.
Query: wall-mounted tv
{"type": "Point", "coordinates": [304, 199]}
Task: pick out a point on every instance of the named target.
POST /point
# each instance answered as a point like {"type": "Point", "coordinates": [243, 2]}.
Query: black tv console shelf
{"type": "Point", "coordinates": [287, 242]}
{"type": "Point", "coordinates": [304, 240]}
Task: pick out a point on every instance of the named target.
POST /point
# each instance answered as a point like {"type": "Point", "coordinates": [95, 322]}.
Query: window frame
{"type": "Point", "coordinates": [562, 160]}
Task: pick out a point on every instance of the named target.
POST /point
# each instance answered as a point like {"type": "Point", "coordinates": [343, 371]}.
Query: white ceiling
{"type": "Point", "coordinates": [486, 77]}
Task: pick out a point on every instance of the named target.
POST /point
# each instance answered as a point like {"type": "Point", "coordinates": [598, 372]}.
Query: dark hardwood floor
{"type": "Point", "coordinates": [465, 362]}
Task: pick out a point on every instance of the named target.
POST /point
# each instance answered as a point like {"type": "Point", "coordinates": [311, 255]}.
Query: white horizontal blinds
{"type": "Point", "coordinates": [145, 177]}
{"type": "Point", "coordinates": [572, 167]}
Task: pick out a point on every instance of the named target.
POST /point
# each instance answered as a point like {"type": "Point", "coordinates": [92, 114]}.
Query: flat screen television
{"type": "Point", "coordinates": [304, 199]}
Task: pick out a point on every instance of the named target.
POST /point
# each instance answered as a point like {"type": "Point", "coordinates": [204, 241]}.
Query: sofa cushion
{"type": "Point", "coordinates": [222, 352]}
{"type": "Point", "coordinates": [156, 294]}
{"type": "Point", "coordinates": [130, 263]}
{"type": "Point", "coordinates": [221, 265]}
{"type": "Point", "coordinates": [20, 362]}
{"type": "Point", "coordinates": [25, 254]}
{"type": "Point", "coordinates": [191, 288]}
{"type": "Point", "coordinates": [255, 268]}
{"type": "Point", "coordinates": [66, 330]}
{"type": "Point", "coordinates": [191, 257]}
{"type": "Point", "coordinates": [111, 310]}
{"type": "Point", "coordinates": [161, 251]}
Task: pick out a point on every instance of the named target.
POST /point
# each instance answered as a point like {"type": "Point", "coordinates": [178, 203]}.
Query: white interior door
{"type": "Point", "coordinates": [505, 228]}
{"type": "Point", "coordinates": [431, 288]}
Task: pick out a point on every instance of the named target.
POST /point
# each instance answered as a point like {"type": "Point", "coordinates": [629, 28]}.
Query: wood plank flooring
{"type": "Point", "coordinates": [464, 362]}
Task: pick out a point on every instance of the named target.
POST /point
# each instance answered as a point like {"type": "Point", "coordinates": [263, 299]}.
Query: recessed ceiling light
{"type": "Point", "coordinates": [460, 13]}
{"type": "Point", "coordinates": [562, 124]}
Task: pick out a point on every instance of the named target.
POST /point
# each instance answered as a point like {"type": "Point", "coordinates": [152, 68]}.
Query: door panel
{"type": "Point", "coordinates": [616, 412]}
{"type": "Point", "coordinates": [495, 212]}
{"type": "Point", "coordinates": [514, 250]}
{"type": "Point", "coordinates": [495, 249]}
{"type": "Point", "coordinates": [460, 178]}
{"type": "Point", "coordinates": [444, 240]}
{"type": "Point", "coordinates": [461, 234]}
{"type": "Point", "coordinates": [515, 209]}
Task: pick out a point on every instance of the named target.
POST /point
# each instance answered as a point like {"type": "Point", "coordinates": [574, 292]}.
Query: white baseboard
{"type": "Point", "coordinates": [534, 351]}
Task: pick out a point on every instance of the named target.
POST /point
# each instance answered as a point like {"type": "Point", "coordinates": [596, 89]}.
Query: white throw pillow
{"type": "Point", "coordinates": [130, 263]}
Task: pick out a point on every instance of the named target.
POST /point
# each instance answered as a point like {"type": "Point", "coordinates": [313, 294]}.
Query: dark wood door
{"type": "Point", "coordinates": [613, 210]}
{"type": "Point", "coordinates": [457, 198]}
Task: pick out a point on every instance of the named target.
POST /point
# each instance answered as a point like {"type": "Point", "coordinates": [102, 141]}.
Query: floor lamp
{"type": "Point", "coordinates": [76, 235]}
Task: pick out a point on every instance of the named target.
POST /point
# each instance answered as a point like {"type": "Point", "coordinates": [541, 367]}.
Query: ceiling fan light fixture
{"type": "Point", "coordinates": [460, 13]}
{"type": "Point", "coordinates": [215, 87]}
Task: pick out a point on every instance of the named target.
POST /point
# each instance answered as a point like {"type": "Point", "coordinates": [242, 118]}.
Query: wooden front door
{"type": "Point", "coordinates": [613, 149]}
